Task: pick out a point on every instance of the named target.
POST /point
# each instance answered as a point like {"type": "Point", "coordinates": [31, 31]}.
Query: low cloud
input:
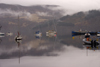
{"type": "Point", "coordinates": [43, 13]}
{"type": "Point", "coordinates": [14, 13]}
{"type": "Point", "coordinates": [71, 6]}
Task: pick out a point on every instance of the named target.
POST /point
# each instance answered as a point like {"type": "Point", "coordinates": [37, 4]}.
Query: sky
{"type": "Point", "coordinates": [71, 6]}
{"type": "Point", "coordinates": [70, 57]}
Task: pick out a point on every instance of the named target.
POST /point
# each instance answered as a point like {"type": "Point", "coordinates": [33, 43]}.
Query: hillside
{"type": "Point", "coordinates": [36, 13]}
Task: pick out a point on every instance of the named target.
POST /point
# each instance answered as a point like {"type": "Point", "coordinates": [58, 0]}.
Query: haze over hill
{"type": "Point", "coordinates": [70, 6]}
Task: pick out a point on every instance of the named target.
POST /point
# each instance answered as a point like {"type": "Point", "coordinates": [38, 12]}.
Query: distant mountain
{"type": "Point", "coordinates": [84, 20]}
{"type": "Point", "coordinates": [36, 13]}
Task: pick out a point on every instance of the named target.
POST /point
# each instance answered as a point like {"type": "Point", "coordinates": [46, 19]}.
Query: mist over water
{"type": "Point", "coordinates": [69, 57]}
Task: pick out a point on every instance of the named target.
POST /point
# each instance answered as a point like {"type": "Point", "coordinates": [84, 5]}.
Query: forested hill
{"type": "Point", "coordinates": [85, 20]}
